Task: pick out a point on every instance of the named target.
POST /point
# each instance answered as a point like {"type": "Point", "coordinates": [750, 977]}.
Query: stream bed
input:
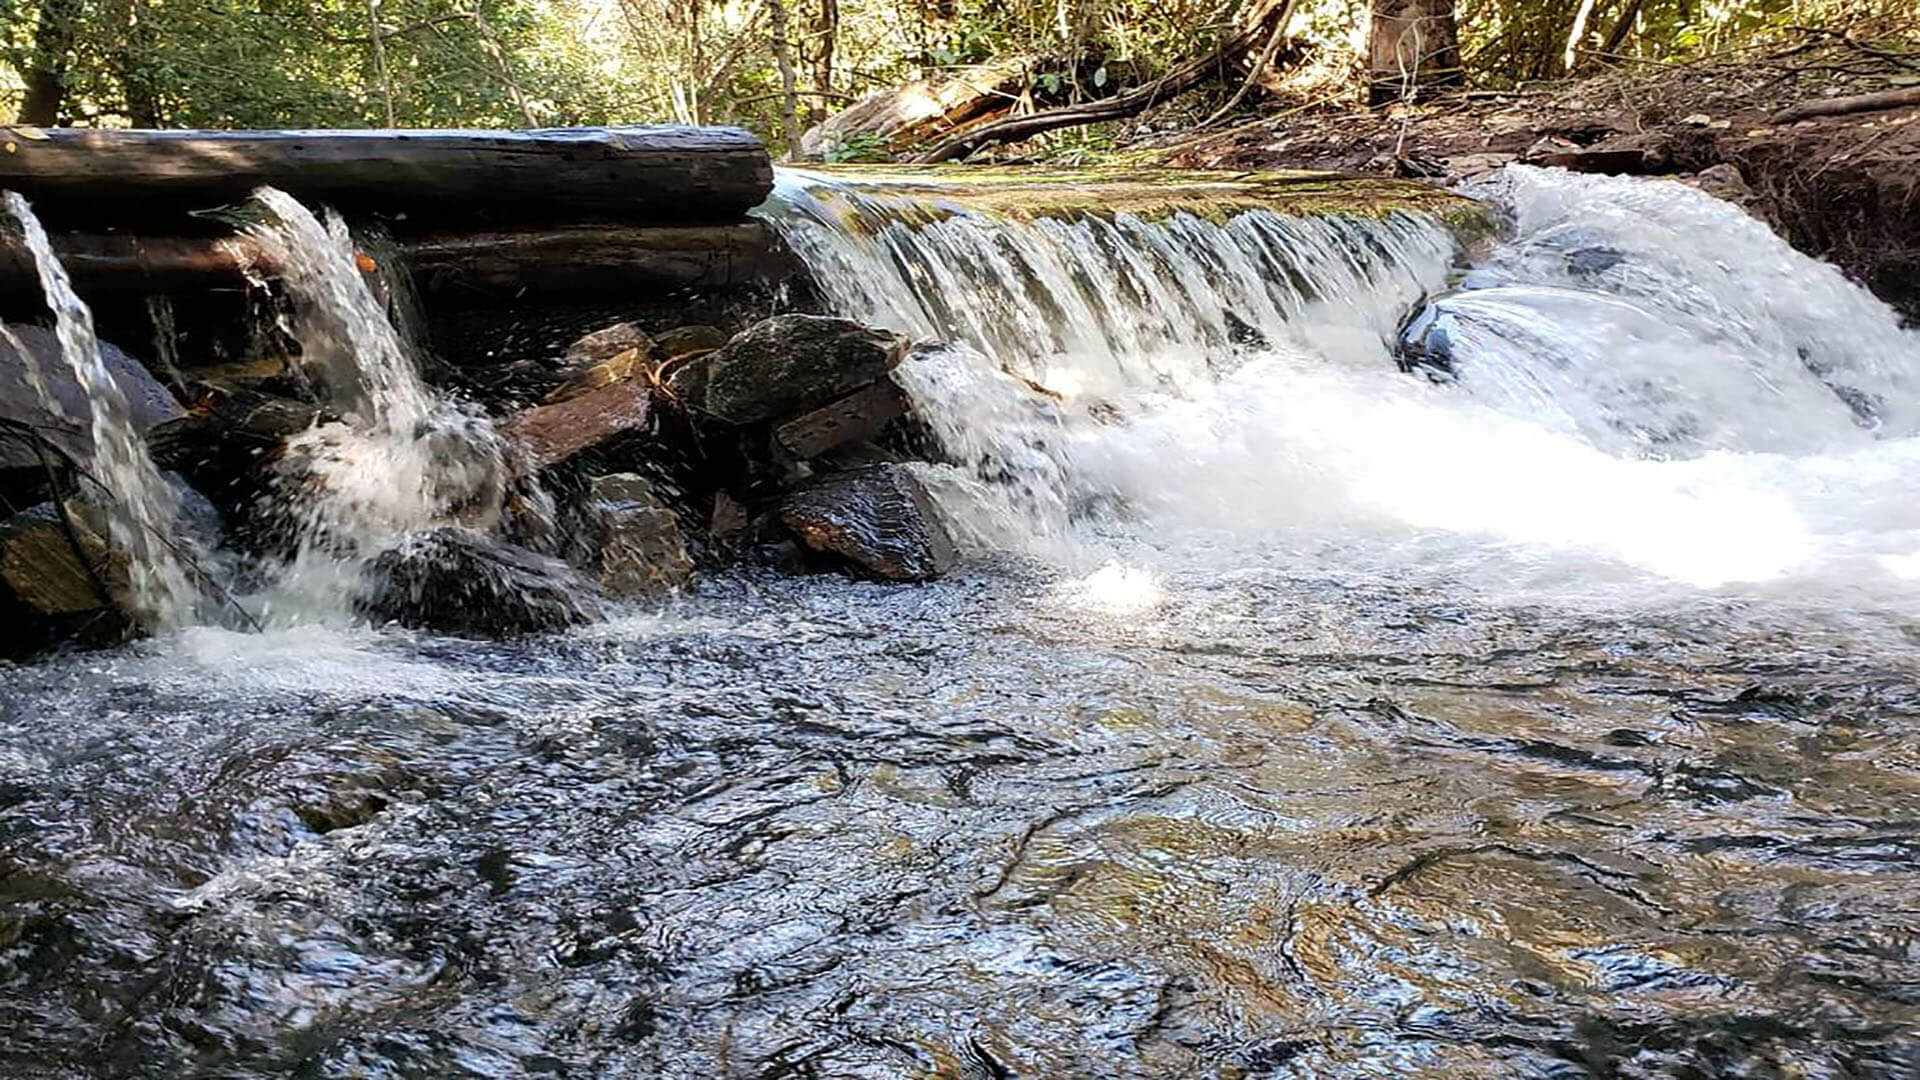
{"type": "Point", "coordinates": [1530, 691]}
{"type": "Point", "coordinates": [1246, 823]}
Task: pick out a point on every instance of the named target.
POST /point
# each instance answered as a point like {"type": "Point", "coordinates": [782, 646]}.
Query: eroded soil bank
{"type": "Point", "coordinates": [1842, 188]}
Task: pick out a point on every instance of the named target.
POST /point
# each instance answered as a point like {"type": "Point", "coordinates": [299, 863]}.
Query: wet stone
{"type": "Point", "coordinates": [857, 417]}
{"type": "Point", "coordinates": [149, 402]}
{"type": "Point", "coordinates": [455, 581]}
{"type": "Point", "coordinates": [880, 519]}
{"type": "Point", "coordinates": [549, 434]}
{"type": "Point", "coordinates": [682, 341]}
{"type": "Point", "coordinates": [638, 548]}
{"type": "Point", "coordinates": [785, 366]}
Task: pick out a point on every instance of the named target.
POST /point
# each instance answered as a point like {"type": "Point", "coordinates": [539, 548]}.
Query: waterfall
{"type": "Point", "coordinates": [1639, 382]}
{"type": "Point", "coordinates": [140, 508]}
{"type": "Point", "coordinates": [398, 459]}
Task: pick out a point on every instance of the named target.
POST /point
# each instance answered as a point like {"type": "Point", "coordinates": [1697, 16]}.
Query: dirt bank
{"type": "Point", "coordinates": [1844, 188]}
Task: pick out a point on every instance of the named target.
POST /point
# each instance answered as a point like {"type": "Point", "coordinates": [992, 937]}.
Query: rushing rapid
{"type": "Point", "coordinates": [1385, 653]}
{"type": "Point", "coordinates": [1641, 386]}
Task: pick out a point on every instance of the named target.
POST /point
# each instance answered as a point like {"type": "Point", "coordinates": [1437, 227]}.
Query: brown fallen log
{"type": "Point", "coordinates": [1845, 106]}
{"type": "Point", "coordinates": [456, 267]}
{"type": "Point", "coordinates": [922, 110]}
{"type": "Point", "coordinates": [682, 175]}
{"type": "Point", "coordinates": [1187, 76]}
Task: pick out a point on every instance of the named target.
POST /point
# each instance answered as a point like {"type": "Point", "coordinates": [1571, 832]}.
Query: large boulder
{"type": "Point", "coordinates": [879, 520]}
{"type": "Point", "coordinates": [27, 350]}
{"type": "Point", "coordinates": [456, 581]}
{"type": "Point", "coordinates": [784, 366]}
{"type": "Point", "coordinates": [632, 538]}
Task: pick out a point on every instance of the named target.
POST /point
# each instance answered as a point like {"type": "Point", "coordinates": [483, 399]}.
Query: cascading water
{"type": "Point", "coordinates": [1624, 324]}
{"type": "Point", "coordinates": [1336, 772]}
{"type": "Point", "coordinates": [398, 460]}
{"type": "Point", "coordinates": [140, 508]}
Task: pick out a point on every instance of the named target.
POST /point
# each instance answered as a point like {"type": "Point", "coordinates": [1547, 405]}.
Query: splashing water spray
{"type": "Point", "coordinates": [140, 508]}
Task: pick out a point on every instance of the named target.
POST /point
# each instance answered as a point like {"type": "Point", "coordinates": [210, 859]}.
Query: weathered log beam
{"type": "Point", "coordinates": [1181, 79]}
{"type": "Point", "coordinates": [449, 266]}
{"type": "Point", "coordinates": [1905, 97]}
{"type": "Point", "coordinates": [681, 175]}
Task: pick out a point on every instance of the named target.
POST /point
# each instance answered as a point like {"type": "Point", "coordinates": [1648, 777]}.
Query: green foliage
{"type": "Point", "coordinates": [860, 150]}
{"type": "Point", "coordinates": [467, 63]}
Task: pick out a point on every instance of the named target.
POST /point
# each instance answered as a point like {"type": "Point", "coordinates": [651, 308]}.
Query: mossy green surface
{"type": "Point", "coordinates": [1027, 193]}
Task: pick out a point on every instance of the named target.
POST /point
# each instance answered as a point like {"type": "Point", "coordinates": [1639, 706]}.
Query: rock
{"type": "Point", "coordinates": [148, 400]}
{"type": "Point", "coordinates": [683, 341]}
{"type": "Point", "coordinates": [40, 567]}
{"type": "Point", "coordinates": [607, 343]}
{"type": "Point", "coordinates": [632, 365]}
{"type": "Point", "coordinates": [48, 594]}
{"type": "Point", "coordinates": [859, 416]}
{"type": "Point", "coordinates": [546, 435]}
{"type": "Point", "coordinates": [618, 353]}
{"type": "Point", "coordinates": [1725, 181]}
{"type": "Point", "coordinates": [638, 547]}
{"type": "Point", "coordinates": [728, 521]}
{"type": "Point", "coordinates": [785, 366]}
{"type": "Point", "coordinates": [460, 582]}
{"type": "Point", "coordinates": [1425, 344]}
{"type": "Point", "coordinates": [879, 519]}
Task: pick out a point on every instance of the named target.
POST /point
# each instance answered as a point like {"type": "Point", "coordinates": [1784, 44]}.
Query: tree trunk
{"type": "Point", "coordinates": [1622, 27]}
{"type": "Point", "coordinates": [826, 33]}
{"type": "Point", "coordinates": [1137, 100]}
{"type": "Point", "coordinates": [46, 74]}
{"type": "Point", "coordinates": [375, 35]}
{"type": "Point", "coordinates": [130, 59]}
{"type": "Point", "coordinates": [1412, 45]}
{"type": "Point", "coordinates": [789, 92]}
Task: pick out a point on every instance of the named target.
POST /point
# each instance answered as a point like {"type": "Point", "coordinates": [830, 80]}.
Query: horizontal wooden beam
{"type": "Point", "coordinates": [457, 268]}
{"type": "Point", "coordinates": [88, 179]}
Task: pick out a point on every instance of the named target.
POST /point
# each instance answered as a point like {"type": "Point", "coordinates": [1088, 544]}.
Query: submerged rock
{"type": "Point", "coordinates": [460, 582]}
{"type": "Point", "coordinates": [636, 543]}
{"type": "Point", "coordinates": [880, 519]}
{"type": "Point", "coordinates": [785, 366]}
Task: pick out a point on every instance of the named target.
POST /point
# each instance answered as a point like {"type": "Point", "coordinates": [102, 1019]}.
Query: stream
{"type": "Point", "coordinates": [1550, 709]}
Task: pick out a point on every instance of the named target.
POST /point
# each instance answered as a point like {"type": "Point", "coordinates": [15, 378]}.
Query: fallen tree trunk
{"type": "Point", "coordinates": [922, 110]}
{"type": "Point", "coordinates": [83, 178]}
{"type": "Point", "coordinates": [1885, 99]}
{"type": "Point", "coordinates": [470, 267]}
{"type": "Point", "coordinates": [1178, 81]}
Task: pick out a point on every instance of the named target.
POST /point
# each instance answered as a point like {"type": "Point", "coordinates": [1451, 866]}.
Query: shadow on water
{"type": "Point", "coordinates": [1272, 827]}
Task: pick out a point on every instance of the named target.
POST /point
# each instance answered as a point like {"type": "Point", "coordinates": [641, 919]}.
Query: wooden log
{"type": "Point", "coordinates": [1847, 106]}
{"type": "Point", "coordinates": [451, 266]}
{"type": "Point", "coordinates": [1178, 81]}
{"type": "Point", "coordinates": [681, 175]}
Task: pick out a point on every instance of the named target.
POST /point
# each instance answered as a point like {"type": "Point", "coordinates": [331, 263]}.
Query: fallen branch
{"type": "Point", "coordinates": [1259, 67]}
{"type": "Point", "coordinates": [1178, 81]}
{"type": "Point", "coordinates": [1846, 106]}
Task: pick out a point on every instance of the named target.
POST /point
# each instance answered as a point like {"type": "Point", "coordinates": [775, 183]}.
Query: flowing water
{"type": "Point", "coordinates": [140, 508]}
{"type": "Point", "coordinates": [1552, 710]}
{"type": "Point", "coordinates": [399, 459]}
